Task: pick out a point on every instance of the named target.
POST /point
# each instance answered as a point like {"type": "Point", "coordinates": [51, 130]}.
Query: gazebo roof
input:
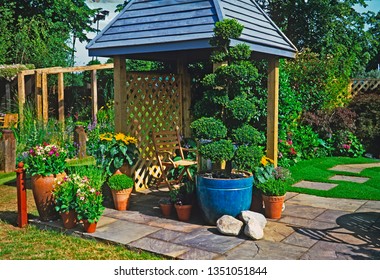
{"type": "Point", "coordinates": [157, 28]}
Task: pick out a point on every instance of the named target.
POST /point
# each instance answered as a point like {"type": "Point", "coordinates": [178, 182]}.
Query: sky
{"type": "Point", "coordinates": [82, 57]}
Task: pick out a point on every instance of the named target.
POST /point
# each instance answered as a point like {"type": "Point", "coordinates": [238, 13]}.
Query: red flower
{"type": "Point", "coordinates": [292, 151]}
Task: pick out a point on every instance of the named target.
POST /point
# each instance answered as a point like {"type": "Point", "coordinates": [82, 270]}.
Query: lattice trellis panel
{"type": "Point", "coordinates": [154, 103]}
{"type": "Point", "coordinates": [364, 85]}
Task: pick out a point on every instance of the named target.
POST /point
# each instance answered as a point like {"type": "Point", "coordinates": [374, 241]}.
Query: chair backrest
{"type": "Point", "coordinates": [167, 141]}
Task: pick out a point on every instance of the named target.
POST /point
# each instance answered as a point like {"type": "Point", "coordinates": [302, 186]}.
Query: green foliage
{"type": "Point", "coordinates": [95, 174]}
{"type": "Point", "coordinates": [65, 193]}
{"type": "Point", "coordinates": [115, 150]}
{"type": "Point", "coordinates": [272, 181]}
{"type": "Point", "coordinates": [248, 157]}
{"type": "Point", "coordinates": [318, 81]}
{"type": "Point", "coordinates": [39, 32]}
{"type": "Point", "coordinates": [330, 28]}
{"type": "Point", "coordinates": [367, 109]}
{"type": "Point", "coordinates": [347, 144]}
{"type": "Point", "coordinates": [217, 150]}
{"type": "Point", "coordinates": [229, 97]}
{"type": "Point", "coordinates": [208, 128]}
{"type": "Point", "coordinates": [184, 195]}
{"type": "Point", "coordinates": [247, 135]}
{"type": "Point", "coordinates": [89, 200]}
{"type": "Point", "coordinates": [120, 182]}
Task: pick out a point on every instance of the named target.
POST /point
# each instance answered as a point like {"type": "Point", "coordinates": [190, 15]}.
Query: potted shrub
{"type": "Point", "coordinates": [273, 181]}
{"type": "Point", "coordinates": [121, 187]}
{"type": "Point", "coordinates": [45, 163]}
{"type": "Point", "coordinates": [116, 152]}
{"type": "Point", "coordinates": [89, 206]}
{"type": "Point", "coordinates": [183, 198]}
{"type": "Point", "coordinates": [224, 127]}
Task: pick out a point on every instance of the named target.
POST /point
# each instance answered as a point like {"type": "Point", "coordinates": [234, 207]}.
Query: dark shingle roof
{"type": "Point", "coordinates": [164, 26]}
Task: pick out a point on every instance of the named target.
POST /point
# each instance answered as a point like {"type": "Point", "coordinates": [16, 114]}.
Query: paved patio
{"type": "Point", "coordinates": [311, 228]}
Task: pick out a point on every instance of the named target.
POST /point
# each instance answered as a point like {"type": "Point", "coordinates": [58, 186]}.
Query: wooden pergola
{"type": "Point", "coordinates": [179, 32]}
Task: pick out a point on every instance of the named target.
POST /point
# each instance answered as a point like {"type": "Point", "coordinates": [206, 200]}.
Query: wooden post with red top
{"type": "Point", "coordinates": [22, 219]}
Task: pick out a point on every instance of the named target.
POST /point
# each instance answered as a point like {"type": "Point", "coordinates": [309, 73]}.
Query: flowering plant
{"type": "Point", "coordinates": [271, 180]}
{"type": "Point", "coordinates": [89, 200]}
{"type": "Point", "coordinates": [115, 150]}
{"type": "Point", "coordinates": [64, 194]}
{"type": "Point", "coordinates": [45, 160]}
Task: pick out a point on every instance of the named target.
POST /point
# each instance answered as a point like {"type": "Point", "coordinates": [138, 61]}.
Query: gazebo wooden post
{"type": "Point", "coordinates": [61, 99]}
{"type": "Point", "coordinates": [272, 108]}
{"type": "Point", "coordinates": [186, 96]}
{"type": "Point", "coordinates": [94, 94]}
{"type": "Point", "coordinates": [120, 93]}
{"type": "Point", "coordinates": [21, 95]}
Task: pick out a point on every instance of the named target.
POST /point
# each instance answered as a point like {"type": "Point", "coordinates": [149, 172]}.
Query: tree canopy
{"type": "Point", "coordinates": [329, 27]}
{"type": "Point", "coordinates": [41, 31]}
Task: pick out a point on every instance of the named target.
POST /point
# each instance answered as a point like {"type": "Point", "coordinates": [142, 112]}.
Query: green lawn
{"type": "Point", "coordinates": [317, 170]}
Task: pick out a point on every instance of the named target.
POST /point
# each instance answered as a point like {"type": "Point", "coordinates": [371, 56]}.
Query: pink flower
{"type": "Point", "coordinates": [289, 142]}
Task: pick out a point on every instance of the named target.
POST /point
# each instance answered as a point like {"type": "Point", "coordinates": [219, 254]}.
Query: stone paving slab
{"type": "Point", "coordinates": [302, 211]}
{"type": "Point", "coordinates": [315, 185]}
{"type": "Point", "coordinates": [354, 168]}
{"type": "Point", "coordinates": [159, 247]}
{"type": "Point", "coordinates": [245, 251]}
{"type": "Point", "coordinates": [209, 240]}
{"type": "Point", "coordinates": [123, 232]}
{"type": "Point", "coordinates": [197, 254]}
{"type": "Point", "coordinates": [327, 203]}
{"type": "Point", "coordinates": [352, 179]}
{"type": "Point", "coordinates": [278, 251]}
{"type": "Point", "coordinates": [300, 238]}
{"type": "Point", "coordinates": [277, 232]}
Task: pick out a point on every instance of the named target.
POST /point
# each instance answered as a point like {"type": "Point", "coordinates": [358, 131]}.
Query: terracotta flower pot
{"type": "Point", "coordinates": [273, 206]}
{"type": "Point", "coordinates": [166, 209]}
{"type": "Point", "coordinates": [121, 199]}
{"type": "Point", "coordinates": [69, 219]}
{"type": "Point", "coordinates": [42, 187]}
{"type": "Point", "coordinates": [89, 227]}
{"type": "Point", "coordinates": [183, 212]}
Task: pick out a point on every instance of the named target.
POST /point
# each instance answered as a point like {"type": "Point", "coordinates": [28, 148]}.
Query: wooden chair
{"type": "Point", "coordinates": [167, 146]}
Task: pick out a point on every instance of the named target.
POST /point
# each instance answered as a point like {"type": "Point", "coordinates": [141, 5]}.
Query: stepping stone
{"type": "Point", "coordinates": [315, 185]}
{"type": "Point", "coordinates": [352, 179]}
{"type": "Point", "coordinates": [355, 168]}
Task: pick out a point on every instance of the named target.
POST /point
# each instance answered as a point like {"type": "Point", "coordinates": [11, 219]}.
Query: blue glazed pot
{"type": "Point", "coordinates": [218, 197]}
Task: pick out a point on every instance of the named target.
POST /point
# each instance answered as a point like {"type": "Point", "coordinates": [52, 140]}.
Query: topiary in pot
{"type": "Point", "coordinates": [121, 187]}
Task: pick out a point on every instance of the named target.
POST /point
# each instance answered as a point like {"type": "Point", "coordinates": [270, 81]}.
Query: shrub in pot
{"type": "Point", "coordinates": [121, 187]}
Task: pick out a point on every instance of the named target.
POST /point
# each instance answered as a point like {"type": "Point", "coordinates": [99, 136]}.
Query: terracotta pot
{"type": "Point", "coordinates": [166, 210]}
{"type": "Point", "coordinates": [273, 206]}
{"type": "Point", "coordinates": [121, 199]}
{"type": "Point", "coordinates": [42, 187]}
{"type": "Point", "coordinates": [183, 212]}
{"type": "Point", "coordinates": [69, 219]}
{"type": "Point", "coordinates": [89, 227]}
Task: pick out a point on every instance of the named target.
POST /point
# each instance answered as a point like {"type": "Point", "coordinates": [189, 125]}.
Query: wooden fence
{"type": "Point", "coordinates": [364, 86]}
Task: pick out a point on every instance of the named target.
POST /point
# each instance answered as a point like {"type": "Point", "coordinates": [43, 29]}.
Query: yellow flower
{"type": "Point", "coordinates": [120, 136]}
{"type": "Point", "coordinates": [106, 136]}
{"type": "Point", "coordinates": [265, 160]}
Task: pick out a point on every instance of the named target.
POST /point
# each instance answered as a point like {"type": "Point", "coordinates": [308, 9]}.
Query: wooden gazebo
{"type": "Point", "coordinates": [178, 31]}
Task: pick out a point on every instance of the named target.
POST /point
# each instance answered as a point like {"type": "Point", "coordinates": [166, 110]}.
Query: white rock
{"type": "Point", "coordinates": [257, 218]}
{"type": "Point", "coordinates": [228, 225]}
{"type": "Point", "coordinates": [254, 230]}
